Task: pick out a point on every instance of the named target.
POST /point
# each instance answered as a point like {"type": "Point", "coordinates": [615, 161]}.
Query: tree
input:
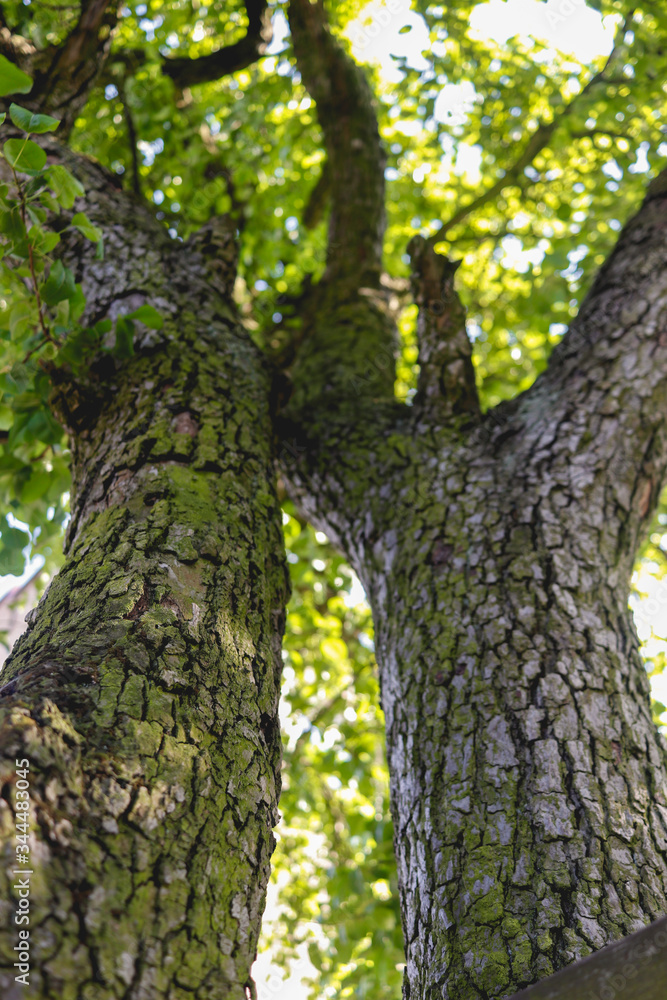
{"type": "Point", "coordinates": [494, 521]}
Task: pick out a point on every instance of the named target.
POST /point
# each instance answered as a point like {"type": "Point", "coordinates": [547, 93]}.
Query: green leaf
{"type": "Point", "coordinates": [11, 551]}
{"type": "Point", "coordinates": [10, 463]}
{"type": "Point", "coordinates": [77, 303]}
{"type": "Point", "coordinates": [124, 347]}
{"type": "Point", "coordinates": [24, 155]}
{"type": "Point", "coordinates": [20, 315]}
{"type": "Point", "coordinates": [34, 186]}
{"type": "Point", "coordinates": [59, 285]}
{"type": "Point", "coordinates": [30, 122]}
{"type": "Point", "coordinates": [43, 427]}
{"type": "Point", "coordinates": [37, 486]}
{"type": "Point", "coordinates": [11, 224]}
{"type": "Point", "coordinates": [149, 316]}
{"type": "Point", "coordinates": [72, 352]}
{"type": "Point", "coordinates": [48, 201]}
{"type": "Point", "coordinates": [37, 214]}
{"type": "Point", "coordinates": [64, 185]}
{"type": "Point", "coordinates": [3, 115]}
{"type": "Point", "coordinates": [81, 222]}
{"type": "Point", "coordinates": [12, 79]}
{"type": "Point", "coordinates": [43, 240]}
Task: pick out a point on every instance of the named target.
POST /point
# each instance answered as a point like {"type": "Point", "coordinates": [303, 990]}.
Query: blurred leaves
{"type": "Point", "coordinates": [649, 602]}
{"type": "Point", "coordinates": [334, 860]}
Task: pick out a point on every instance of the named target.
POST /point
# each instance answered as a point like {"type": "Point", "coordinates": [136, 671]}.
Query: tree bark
{"type": "Point", "coordinates": [528, 782]}
{"type": "Point", "coordinates": [144, 694]}
{"type": "Point", "coordinates": [631, 969]}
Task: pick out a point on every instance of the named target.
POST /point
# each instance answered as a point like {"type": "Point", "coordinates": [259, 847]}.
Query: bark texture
{"type": "Point", "coordinates": [144, 693]}
{"type": "Point", "coordinates": [529, 785]}
{"type": "Point", "coordinates": [528, 782]}
{"type": "Point", "coordinates": [631, 969]}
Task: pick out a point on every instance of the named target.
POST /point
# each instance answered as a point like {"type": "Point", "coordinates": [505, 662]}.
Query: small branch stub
{"type": "Point", "coordinates": [446, 386]}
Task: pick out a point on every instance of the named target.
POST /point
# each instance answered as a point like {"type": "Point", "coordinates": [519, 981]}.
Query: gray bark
{"type": "Point", "coordinates": [631, 969]}
{"type": "Point", "coordinates": [528, 782]}
{"type": "Point", "coordinates": [144, 694]}
{"type": "Point", "coordinates": [529, 786]}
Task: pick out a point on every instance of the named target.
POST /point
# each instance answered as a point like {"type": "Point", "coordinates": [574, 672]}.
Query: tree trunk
{"type": "Point", "coordinates": [631, 969]}
{"type": "Point", "coordinates": [528, 782]}
{"type": "Point", "coordinates": [144, 694]}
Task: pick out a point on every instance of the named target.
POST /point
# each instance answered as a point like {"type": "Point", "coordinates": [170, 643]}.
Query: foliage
{"type": "Point", "coordinates": [335, 853]}
{"type": "Point", "coordinates": [532, 160]}
{"type": "Point", "coordinates": [649, 602]}
{"type": "Point", "coordinates": [41, 304]}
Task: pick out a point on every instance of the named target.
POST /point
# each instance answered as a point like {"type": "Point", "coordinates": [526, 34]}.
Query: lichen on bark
{"type": "Point", "coordinates": [145, 691]}
{"type": "Point", "coordinates": [529, 787]}
{"type": "Point", "coordinates": [528, 782]}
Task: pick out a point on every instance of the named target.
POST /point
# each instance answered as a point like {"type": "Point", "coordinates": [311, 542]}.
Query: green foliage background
{"type": "Point", "coordinates": [564, 153]}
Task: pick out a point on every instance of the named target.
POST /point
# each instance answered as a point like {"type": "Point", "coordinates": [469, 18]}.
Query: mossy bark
{"type": "Point", "coordinates": [529, 786]}
{"type": "Point", "coordinates": [528, 782]}
{"type": "Point", "coordinates": [144, 694]}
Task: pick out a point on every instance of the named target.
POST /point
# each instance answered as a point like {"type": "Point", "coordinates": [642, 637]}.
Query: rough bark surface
{"type": "Point", "coordinates": [528, 782]}
{"type": "Point", "coordinates": [631, 969]}
{"type": "Point", "coordinates": [144, 693]}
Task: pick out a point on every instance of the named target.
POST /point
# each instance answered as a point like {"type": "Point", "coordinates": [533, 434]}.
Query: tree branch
{"type": "Point", "coordinates": [346, 112]}
{"type": "Point", "coordinates": [604, 392]}
{"type": "Point", "coordinates": [64, 74]}
{"type": "Point", "coordinates": [205, 69]}
{"type": "Point", "coordinates": [446, 386]}
{"type": "Point", "coordinates": [344, 351]}
{"type": "Point", "coordinates": [631, 969]}
{"type": "Point", "coordinates": [538, 141]}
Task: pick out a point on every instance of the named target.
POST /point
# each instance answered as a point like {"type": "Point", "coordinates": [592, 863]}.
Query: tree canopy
{"type": "Point", "coordinates": [513, 157]}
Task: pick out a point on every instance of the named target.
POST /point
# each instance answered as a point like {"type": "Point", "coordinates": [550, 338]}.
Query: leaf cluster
{"type": "Point", "coordinates": [41, 329]}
